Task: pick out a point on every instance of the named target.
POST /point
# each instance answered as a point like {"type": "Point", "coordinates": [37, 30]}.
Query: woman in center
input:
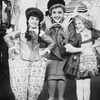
{"type": "Point", "coordinates": [56, 27]}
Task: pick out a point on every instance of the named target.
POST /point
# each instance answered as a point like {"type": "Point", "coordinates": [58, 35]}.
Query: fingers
{"type": "Point", "coordinates": [9, 30]}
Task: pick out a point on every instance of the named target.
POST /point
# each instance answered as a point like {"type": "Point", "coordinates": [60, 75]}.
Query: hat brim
{"type": "Point", "coordinates": [57, 5]}
{"type": "Point", "coordinates": [33, 11]}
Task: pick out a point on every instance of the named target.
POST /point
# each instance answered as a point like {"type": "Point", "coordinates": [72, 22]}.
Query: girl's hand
{"type": "Point", "coordinates": [68, 47]}
{"type": "Point", "coordinates": [14, 34]}
{"type": "Point", "coordinates": [9, 30]}
{"type": "Point", "coordinates": [72, 49]}
{"type": "Point", "coordinates": [82, 50]}
{"type": "Point", "coordinates": [42, 52]}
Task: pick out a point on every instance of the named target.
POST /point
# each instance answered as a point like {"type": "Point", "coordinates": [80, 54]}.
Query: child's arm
{"type": "Point", "coordinates": [72, 49]}
{"type": "Point", "coordinates": [48, 40]}
{"type": "Point", "coordinates": [9, 37]}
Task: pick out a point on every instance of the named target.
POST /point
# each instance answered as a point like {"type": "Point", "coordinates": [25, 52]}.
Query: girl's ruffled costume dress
{"type": "Point", "coordinates": [27, 68]}
{"type": "Point", "coordinates": [88, 65]}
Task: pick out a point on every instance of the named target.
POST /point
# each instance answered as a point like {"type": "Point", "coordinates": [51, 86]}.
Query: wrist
{"type": "Point", "coordinates": [81, 50]}
{"type": "Point", "coordinates": [93, 46]}
{"type": "Point", "coordinates": [47, 50]}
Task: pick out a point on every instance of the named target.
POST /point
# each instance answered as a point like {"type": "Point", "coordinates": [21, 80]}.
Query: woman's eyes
{"type": "Point", "coordinates": [60, 12]}
{"type": "Point", "coordinates": [57, 12]}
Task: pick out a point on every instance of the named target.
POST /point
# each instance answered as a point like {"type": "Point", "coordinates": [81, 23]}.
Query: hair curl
{"type": "Point", "coordinates": [88, 23]}
{"type": "Point", "coordinates": [27, 35]}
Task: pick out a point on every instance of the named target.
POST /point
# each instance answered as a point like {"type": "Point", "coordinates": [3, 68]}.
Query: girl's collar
{"type": "Point", "coordinates": [34, 30]}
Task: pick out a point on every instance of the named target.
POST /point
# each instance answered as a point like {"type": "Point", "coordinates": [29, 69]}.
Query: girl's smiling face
{"type": "Point", "coordinates": [57, 14]}
{"type": "Point", "coordinates": [79, 25]}
{"type": "Point", "coordinates": [33, 22]}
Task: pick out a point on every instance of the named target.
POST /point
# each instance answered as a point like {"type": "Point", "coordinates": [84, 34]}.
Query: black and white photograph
{"type": "Point", "coordinates": [49, 49]}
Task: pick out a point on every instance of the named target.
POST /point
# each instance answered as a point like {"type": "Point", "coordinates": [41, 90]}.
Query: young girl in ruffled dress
{"type": "Point", "coordinates": [84, 43]}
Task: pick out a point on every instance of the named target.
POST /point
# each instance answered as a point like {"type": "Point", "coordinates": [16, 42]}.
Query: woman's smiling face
{"type": "Point", "coordinates": [57, 14]}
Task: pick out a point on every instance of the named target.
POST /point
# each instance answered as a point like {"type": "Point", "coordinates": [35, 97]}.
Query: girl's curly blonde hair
{"type": "Point", "coordinates": [86, 21]}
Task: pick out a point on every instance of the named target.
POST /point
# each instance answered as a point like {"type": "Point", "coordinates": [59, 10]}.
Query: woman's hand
{"type": "Point", "coordinates": [66, 22]}
{"type": "Point", "coordinates": [48, 22]}
{"type": "Point", "coordinates": [43, 52]}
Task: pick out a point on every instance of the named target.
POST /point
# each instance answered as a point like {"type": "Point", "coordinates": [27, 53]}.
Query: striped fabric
{"type": "Point", "coordinates": [71, 6]}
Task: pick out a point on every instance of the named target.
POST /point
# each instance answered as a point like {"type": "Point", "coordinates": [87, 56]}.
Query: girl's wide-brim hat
{"type": "Point", "coordinates": [34, 11]}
